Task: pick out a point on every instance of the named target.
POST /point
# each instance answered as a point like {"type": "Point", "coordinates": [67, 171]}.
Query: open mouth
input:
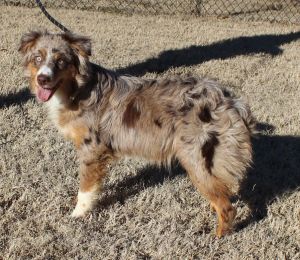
{"type": "Point", "coordinates": [44, 93]}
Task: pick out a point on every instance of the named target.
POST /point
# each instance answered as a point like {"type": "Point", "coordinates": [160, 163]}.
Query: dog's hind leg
{"type": "Point", "coordinates": [219, 196]}
{"type": "Point", "coordinates": [215, 191]}
{"type": "Point", "coordinates": [225, 211]}
{"type": "Point", "coordinates": [92, 173]}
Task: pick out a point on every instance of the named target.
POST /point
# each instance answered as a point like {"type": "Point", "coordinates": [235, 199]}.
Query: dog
{"type": "Point", "coordinates": [108, 116]}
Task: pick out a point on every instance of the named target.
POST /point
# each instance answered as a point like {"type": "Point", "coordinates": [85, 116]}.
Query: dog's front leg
{"type": "Point", "coordinates": [92, 173]}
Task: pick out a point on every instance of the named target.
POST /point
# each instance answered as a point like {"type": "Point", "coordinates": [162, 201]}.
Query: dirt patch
{"type": "Point", "coordinates": [145, 212]}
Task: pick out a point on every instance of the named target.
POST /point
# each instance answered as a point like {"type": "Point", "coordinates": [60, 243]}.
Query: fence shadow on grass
{"type": "Point", "coordinates": [193, 55]}
{"type": "Point", "coordinates": [276, 169]}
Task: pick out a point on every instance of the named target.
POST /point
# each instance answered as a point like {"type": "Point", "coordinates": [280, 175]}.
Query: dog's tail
{"type": "Point", "coordinates": [245, 112]}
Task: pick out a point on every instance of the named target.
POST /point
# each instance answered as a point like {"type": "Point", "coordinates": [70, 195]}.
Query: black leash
{"type": "Point", "coordinates": [50, 18]}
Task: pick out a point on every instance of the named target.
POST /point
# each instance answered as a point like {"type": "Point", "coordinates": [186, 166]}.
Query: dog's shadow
{"type": "Point", "coordinates": [148, 176]}
{"type": "Point", "coordinates": [276, 170]}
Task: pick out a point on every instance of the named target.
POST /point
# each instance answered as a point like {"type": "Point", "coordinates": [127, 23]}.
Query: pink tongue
{"type": "Point", "coordinates": [44, 94]}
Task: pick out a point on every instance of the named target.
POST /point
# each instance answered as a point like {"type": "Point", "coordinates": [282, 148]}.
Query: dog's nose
{"type": "Point", "coordinates": [43, 79]}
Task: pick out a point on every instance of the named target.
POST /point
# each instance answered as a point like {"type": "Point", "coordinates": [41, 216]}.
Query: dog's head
{"type": "Point", "coordinates": [54, 61]}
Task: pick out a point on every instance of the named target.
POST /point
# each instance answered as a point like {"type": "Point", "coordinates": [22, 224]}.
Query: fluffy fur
{"type": "Point", "coordinates": [109, 116]}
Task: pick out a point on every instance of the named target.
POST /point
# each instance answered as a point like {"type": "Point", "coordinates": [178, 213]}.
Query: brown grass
{"type": "Point", "coordinates": [286, 11]}
{"type": "Point", "coordinates": [145, 212]}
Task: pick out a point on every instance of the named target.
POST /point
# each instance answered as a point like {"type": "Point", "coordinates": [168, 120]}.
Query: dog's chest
{"type": "Point", "coordinates": [54, 107]}
{"type": "Point", "coordinates": [67, 122]}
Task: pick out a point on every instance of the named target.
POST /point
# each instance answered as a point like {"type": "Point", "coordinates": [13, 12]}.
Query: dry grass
{"type": "Point", "coordinates": [146, 213]}
{"type": "Point", "coordinates": [286, 11]}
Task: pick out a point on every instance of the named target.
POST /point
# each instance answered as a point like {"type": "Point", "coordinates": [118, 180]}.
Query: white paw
{"type": "Point", "coordinates": [79, 211]}
{"type": "Point", "coordinates": [84, 204]}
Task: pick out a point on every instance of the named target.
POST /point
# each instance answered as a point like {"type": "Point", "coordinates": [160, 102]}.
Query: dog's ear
{"type": "Point", "coordinates": [80, 44]}
{"type": "Point", "coordinates": [28, 40]}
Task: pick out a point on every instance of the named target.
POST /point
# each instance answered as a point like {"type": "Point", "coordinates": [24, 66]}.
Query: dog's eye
{"type": "Point", "coordinates": [38, 59]}
{"type": "Point", "coordinates": [61, 63]}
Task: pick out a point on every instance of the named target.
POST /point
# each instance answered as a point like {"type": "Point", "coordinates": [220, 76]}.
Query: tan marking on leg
{"type": "Point", "coordinates": [92, 173]}
{"type": "Point", "coordinates": [226, 214]}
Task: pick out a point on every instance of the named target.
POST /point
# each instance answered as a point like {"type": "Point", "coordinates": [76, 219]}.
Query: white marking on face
{"type": "Point", "coordinates": [85, 202]}
{"type": "Point", "coordinates": [45, 70]}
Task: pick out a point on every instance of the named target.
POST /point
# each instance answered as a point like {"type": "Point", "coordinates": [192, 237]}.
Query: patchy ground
{"type": "Point", "coordinates": [144, 212]}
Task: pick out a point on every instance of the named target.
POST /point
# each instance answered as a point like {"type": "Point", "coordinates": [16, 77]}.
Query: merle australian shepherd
{"type": "Point", "coordinates": [108, 116]}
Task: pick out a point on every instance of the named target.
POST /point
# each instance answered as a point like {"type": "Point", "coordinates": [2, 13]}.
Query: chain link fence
{"type": "Point", "coordinates": [287, 11]}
